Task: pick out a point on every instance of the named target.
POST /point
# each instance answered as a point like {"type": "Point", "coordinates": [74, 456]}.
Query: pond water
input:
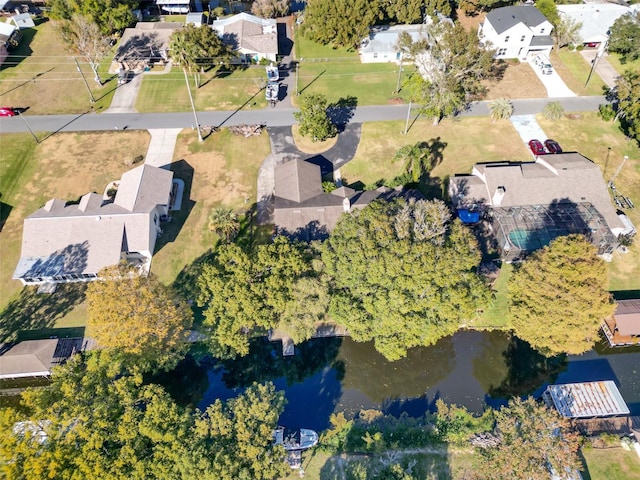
{"type": "Point", "coordinates": [471, 368]}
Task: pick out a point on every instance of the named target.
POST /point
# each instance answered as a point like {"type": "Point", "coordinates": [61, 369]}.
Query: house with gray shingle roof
{"type": "Point", "coordinates": [253, 38]}
{"type": "Point", "coordinates": [304, 211]}
{"type": "Point", "coordinates": [528, 204]}
{"type": "Point", "coordinates": [70, 242]}
{"type": "Point", "coordinates": [516, 32]}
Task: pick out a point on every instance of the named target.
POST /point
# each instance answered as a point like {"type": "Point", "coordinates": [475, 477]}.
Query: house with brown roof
{"type": "Point", "coordinates": [35, 358]}
{"type": "Point", "coordinates": [70, 242]}
{"type": "Point", "coordinates": [146, 43]}
{"type": "Point", "coordinates": [623, 328]}
{"type": "Point", "coordinates": [528, 204]}
{"type": "Point", "coordinates": [304, 211]}
{"type": "Point", "coordinates": [253, 38]}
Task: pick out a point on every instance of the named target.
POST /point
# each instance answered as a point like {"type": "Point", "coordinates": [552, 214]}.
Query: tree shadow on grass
{"type": "Point", "coordinates": [38, 311]}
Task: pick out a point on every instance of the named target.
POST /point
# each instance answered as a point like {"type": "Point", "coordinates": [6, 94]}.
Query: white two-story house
{"type": "Point", "coordinates": [517, 32]}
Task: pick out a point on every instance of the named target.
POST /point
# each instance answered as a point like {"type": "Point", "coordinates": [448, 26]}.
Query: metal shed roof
{"type": "Point", "coordinates": [585, 400]}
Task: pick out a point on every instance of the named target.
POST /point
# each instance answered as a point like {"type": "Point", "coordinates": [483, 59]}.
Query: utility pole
{"type": "Point", "coordinates": [28, 127]}
{"type": "Point", "coordinates": [399, 73]}
{"type": "Point", "coordinates": [406, 125]}
{"type": "Point", "coordinates": [193, 106]}
{"type": "Point", "coordinates": [91, 97]}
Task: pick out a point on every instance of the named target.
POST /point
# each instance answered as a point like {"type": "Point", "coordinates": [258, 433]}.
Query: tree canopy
{"type": "Point", "coordinates": [451, 67]}
{"type": "Point", "coordinates": [111, 16]}
{"type": "Point", "coordinates": [626, 98]}
{"type": "Point", "coordinates": [558, 297]}
{"type": "Point", "coordinates": [403, 273]}
{"type": "Point", "coordinates": [101, 422]}
{"type": "Point", "coordinates": [625, 37]}
{"type": "Point", "coordinates": [243, 291]}
{"type": "Point", "coordinates": [139, 316]}
{"type": "Point", "coordinates": [270, 8]}
{"type": "Point", "coordinates": [314, 119]}
{"type": "Point", "coordinates": [531, 439]}
{"type": "Point", "coordinates": [83, 35]}
{"type": "Point", "coordinates": [342, 23]}
{"type": "Point", "coordinates": [195, 48]}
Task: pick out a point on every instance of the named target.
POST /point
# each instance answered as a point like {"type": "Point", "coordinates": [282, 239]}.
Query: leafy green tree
{"type": "Point", "coordinates": [342, 23]}
{"type": "Point", "coordinates": [625, 37]}
{"type": "Point", "coordinates": [243, 291]}
{"type": "Point", "coordinates": [307, 308]}
{"type": "Point", "coordinates": [566, 32]}
{"type": "Point", "coordinates": [549, 10]}
{"type": "Point", "coordinates": [224, 223]}
{"type": "Point", "coordinates": [102, 422]}
{"type": "Point", "coordinates": [139, 316]}
{"type": "Point", "coordinates": [313, 118]}
{"type": "Point", "coordinates": [112, 16]}
{"type": "Point", "coordinates": [452, 69]}
{"type": "Point", "coordinates": [500, 109]}
{"type": "Point", "coordinates": [270, 8]}
{"type": "Point", "coordinates": [419, 159]}
{"type": "Point", "coordinates": [433, 7]}
{"type": "Point", "coordinates": [558, 297]}
{"type": "Point", "coordinates": [195, 48]}
{"type": "Point", "coordinates": [553, 111]}
{"type": "Point", "coordinates": [403, 274]}
{"type": "Point", "coordinates": [532, 439]}
{"type": "Point", "coordinates": [626, 99]}
{"type": "Point", "coordinates": [404, 11]}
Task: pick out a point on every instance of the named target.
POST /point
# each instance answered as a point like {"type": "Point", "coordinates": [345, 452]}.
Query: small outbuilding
{"type": "Point", "coordinates": [22, 21]}
{"type": "Point", "coordinates": [623, 328]}
{"type": "Point", "coordinates": [586, 400]}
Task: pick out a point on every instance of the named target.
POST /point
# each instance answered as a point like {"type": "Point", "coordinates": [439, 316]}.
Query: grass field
{"type": "Point", "coordinates": [222, 171]}
{"type": "Point", "coordinates": [227, 91]}
{"type": "Point", "coordinates": [574, 70]}
{"type": "Point", "coordinates": [306, 49]}
{"type": "Point", "coordinates": [64, 166]}
{"type": "Point", "coordinates": [614, 60]}
{"type": "Point", "coordinates": [611, 464]}
{"type": "Point", "coordinates": [592, 137]}
{"type": "Point", "coordinates": [36, 73]}
{"type": "Point", "coordinates": [468, 141]}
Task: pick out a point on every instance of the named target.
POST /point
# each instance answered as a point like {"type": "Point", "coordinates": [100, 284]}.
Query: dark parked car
{"type": "Point", "coordinates": [552, 146]}
{"type": "Point", "coordinates": [7, 112]}
{"type": "Point", "coordinates": [536, 147]}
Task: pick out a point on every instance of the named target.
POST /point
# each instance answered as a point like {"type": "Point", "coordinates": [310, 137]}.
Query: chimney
{"type": "Point", "coordinates": [346, 204]}
{"type": "Point", "coordinates": [498, 196]}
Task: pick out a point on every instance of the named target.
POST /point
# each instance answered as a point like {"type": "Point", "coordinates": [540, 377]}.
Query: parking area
{"type": "Point", "coordinates": [552, 82]}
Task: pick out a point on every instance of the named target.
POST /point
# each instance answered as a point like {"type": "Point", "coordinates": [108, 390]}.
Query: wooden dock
{"type": "Point", "coordinates": [323, 330]}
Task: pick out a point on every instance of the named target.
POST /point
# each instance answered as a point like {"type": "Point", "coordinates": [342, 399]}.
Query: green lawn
{"type": "Point", "coordinates": [369, 83]}
{"type": "Point", "coordinates": [574, 70]}
{"type": "Point", "coordinates": [225, 91]}
{"type": "Point", "coordinates": [467, 141]}
{"type": "Point", "coordinates": [495, 316]}
{"type": "Point", "coordinates": [592, 137]}
{"type": "Point", "coordinates": [41, 68]}
{"type": "Point", "coordinates": [614, 60]}
{"type": "Point", "coordinates": [221, 171]}
{"type": "Point", "coordinates": [306, 49]}
{"type": "Point", "coordinates": [611, 464]}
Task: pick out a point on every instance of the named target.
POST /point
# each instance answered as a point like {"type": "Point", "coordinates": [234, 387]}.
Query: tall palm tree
{"type": "Point", "coordinates": [224, 223]}
{"type": "Point", "coordinates": [418, 159]}
{"type": "Point", "coordinates": [500, 109]}
{"type": "Point", "coordinates": [184, 53]}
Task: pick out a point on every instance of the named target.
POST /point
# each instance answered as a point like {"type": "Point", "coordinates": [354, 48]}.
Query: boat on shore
{"type": "Point", "coordinates": [293, 440]}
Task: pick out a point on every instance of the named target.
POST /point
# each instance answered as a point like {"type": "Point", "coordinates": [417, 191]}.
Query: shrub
{"type": "Point", "coordinates": [606, 112]}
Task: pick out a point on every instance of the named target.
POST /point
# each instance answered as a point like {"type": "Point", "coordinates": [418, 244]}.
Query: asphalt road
{"type": "Point", "coordinates": [271, 117]}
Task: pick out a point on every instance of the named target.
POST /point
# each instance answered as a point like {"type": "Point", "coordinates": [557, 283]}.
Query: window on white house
{"type": "Point", "coordinates": [542, 30]}
{"type": "Point", "coordinates": [506, 39]}
{"type": "Point", "coordinates": [522, 38]}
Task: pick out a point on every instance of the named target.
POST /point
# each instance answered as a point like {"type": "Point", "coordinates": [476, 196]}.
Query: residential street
{"type": "Point", "coordinates": [268, 116]}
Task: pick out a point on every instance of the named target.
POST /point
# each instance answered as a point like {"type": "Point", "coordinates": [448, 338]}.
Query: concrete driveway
{"type": "Point", "coordinates": [528, 128]}
{"type": "Point", "coordinates": [554, 85]}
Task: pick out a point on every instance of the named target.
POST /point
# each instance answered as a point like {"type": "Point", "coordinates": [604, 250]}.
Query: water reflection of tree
{"type": "Point", "coordinates": [527, 370]}
{"type": "Point", "coordinates": [489, 365]}
{"type": "Point", "coordinates": [265, 362]}
{"type": "Point", "coordinates": [186, 383]}
{"type": "Point", "coordinates": [369, 372]}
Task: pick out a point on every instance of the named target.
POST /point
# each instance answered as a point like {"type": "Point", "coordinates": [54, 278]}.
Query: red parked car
{"type": "Point", "coordinates": [552, 146]}
{"type": "Point", "coordinates": [536, 147]}
{"type": "Point", "coordinates": [7, 112]}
